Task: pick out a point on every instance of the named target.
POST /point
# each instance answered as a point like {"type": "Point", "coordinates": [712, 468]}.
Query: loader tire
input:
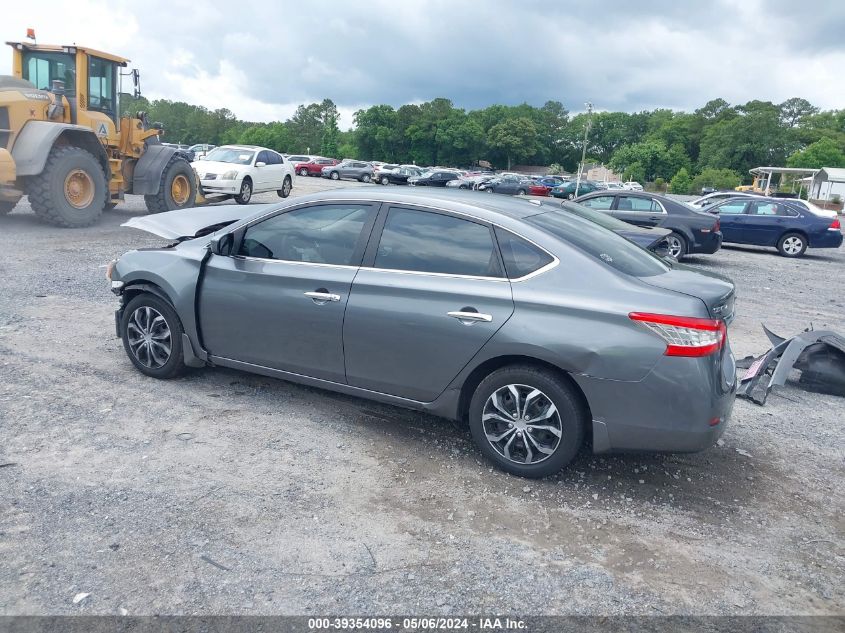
{"type": "Point", "coordinates": [177, 189]}
{"type": "Point", "coordinates": [71, 190]}
{"type": "Point", "coordinates": [6, 206]}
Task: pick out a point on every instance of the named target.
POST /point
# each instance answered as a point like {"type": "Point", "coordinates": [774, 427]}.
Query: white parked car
{"type": "Point", "coordinates": [632, 185]}
{"type": "Point", "coordinates": [242, 170]}
{"type": "Point", "coordinates": [614, 186]}
{"type": "Point", "coordinates": [719, 196]}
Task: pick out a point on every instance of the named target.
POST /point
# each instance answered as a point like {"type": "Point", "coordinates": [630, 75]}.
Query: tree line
{"type": "Point", "coordinates": [715, 145]}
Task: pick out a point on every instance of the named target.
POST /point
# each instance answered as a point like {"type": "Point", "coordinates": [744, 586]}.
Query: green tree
{"type": "Point", "coordinates": [634, 171]}
{"type": "Point", "coordinates": [716, 178]}
{"type": "Point", "coordinates": [331, 136]}
{"type": "Point", "coordinates": [793, 111]}
{"type": "Point", "coordinates": [514, 139]}
{"type": "Point", "coordinates": [823, 153]}
{"type": "Point", "coordinates": [681, 182]}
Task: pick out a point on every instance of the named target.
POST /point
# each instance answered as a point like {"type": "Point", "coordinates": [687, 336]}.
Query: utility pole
{"type": "Point", "coordinates": [584, 148]}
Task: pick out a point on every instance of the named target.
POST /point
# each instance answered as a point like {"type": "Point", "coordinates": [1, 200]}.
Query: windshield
{"type": "Point", "coordinates": [42, 68]}
{"type": "Point", "coordinates": [231, 155]}
{"type": "Point", "coordinates": [600, 243]}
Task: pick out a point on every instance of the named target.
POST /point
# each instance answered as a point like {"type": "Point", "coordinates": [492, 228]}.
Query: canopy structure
{"type": "Point", "coordinates": [763, 176]}
{"type": "Point", "coordinates": [828, 182]}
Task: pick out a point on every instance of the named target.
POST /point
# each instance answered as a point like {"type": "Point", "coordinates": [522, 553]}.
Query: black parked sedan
{"type": "Point", "coordinates": [434, 178]}
{"type": "Point", "coordinates": [399, 176]}
{"type": "Point", "coordinates": [511, 185]}
{"type": "Point", "coordinates": [692, 231]}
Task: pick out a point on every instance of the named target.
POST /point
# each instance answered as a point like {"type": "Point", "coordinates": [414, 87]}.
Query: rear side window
{"type": "Point", "coordinates": [732, 208]}
{"type": "Point", "coordinates": [521, 257]}
{"type": "Point", "coordinates": [431, 242]}
{"type": "Point", "coordinates": [599, 202]}
{"type": "Point", "coordinates": [602, 244]}
{"type": "Point", "coordinates": [633, 203]}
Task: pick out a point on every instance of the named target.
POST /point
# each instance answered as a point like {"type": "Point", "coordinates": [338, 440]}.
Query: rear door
{"type": "Point", "coordinates": [766, 221]}
{"type": "Point", "coordinates": [279, 301]}
{"type": "Point", "coordinates": [642, 211]}
{"type": "Point", "coordinates": [431, 293]}
{"type": "Point", "coordinates": [732, 220]}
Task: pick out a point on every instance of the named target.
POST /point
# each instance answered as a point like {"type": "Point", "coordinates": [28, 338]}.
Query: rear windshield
{"type": "Point", "coordinates": [598, 242]}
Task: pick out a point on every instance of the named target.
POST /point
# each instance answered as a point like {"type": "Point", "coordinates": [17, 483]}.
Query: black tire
{"type": "Point", "coordinates": [489, 190]}
{"type": "Point", "coordinates": [246, 191]}
{"type": "Point", "coordinates": [792, 245]}
{"type": "Point", "coordinates": [462, 186]}
{"type": "Point", "coordinates": [334, 175]}
{"type": "Point", "coordinates": [163, 201]}
{"type": "Point", "coordinates": [571, 413]}
{"type": "Point", "coordinates": [521, 192]}
{"type": "Point", "coordinates": [384, 180]}
{"type": "Point", "coordinates": [6, 206]}
{"type": "Point", "coordinates": [366, 178]}
{"type": "Point", "coordinates": [570, 196]}
{"type": "Point", "coordinates": [287, 187]}
{"type": "Point", "coordinates": [175, 365]}
{"type": "Point", "coordinates": [110, 205]}
{"type": "Point", "coordinates": [677, 245]}
{"type": "Point", "coordinates": [303, 172]}
{"type": "Point", "coordinates": [47, 189]}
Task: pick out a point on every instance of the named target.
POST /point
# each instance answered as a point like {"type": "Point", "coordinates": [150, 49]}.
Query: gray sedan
{"type": "Point", "coordinates": [539, 328]}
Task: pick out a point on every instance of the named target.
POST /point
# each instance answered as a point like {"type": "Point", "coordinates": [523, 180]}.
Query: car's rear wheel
{"type": "Point", "coordinates": [152, 336]}
{"type": "Point", "coordinates": [287, 185]}
{"type": "Point", "coordinates": [334, 175]}
{"type": "Point", "coordinates": [246, 192]}
{"type": "Point", "coordinates": [527, 421]}
{"type": "Point", "coordinates": [676, 245]}
{"type": "Point", "coordinates": [303, 172]}
{"type": "Point", "coordinates": [365, 178]}
{"type": "Point", "coordinates": [792, 245]}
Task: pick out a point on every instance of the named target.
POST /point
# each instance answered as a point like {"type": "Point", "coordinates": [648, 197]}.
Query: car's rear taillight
{"type": "Point", "coordinates": [685, 336]}
{"type": "Point", "coordinates": [835, 225]}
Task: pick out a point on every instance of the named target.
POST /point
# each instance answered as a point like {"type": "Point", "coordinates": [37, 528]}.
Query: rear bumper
{"type": "Point", "coordinates": [675, 408]}
{"type": "Point", "coordinates": [708, 245]}
{"type": "Point", "coordinates": [830, 239]}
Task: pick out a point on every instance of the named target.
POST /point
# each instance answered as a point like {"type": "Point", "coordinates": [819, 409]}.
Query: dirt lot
{"type": "Point", "coordinates": [227, 493]}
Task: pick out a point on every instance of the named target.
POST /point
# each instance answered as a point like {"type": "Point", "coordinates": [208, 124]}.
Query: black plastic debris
{"type": "Point", "coordinates": [818, 354]}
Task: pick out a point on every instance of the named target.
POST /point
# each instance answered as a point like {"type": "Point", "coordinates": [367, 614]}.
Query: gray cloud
{"type": "Point", "coordinates": [619, 54]}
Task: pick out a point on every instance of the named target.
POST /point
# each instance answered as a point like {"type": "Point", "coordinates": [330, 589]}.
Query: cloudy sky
{"type": "Point", "coordinates": [261, 59]}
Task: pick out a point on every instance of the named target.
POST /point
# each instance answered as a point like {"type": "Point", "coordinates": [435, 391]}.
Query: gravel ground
{"type": "Point", "coordinates": [228, 493]}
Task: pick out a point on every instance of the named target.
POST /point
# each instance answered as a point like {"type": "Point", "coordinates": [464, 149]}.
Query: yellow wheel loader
{"type": "Point", "coordinates": [64, 143]}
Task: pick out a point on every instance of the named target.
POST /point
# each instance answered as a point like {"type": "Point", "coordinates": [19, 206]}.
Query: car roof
{"type": "Point", "coordinates": [476, 204]}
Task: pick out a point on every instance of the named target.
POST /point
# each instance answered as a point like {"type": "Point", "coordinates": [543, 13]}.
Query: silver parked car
{"type": "Point", "coordinates": [538, 327]}
{"type": "Point", "coordinates": [353, 169]}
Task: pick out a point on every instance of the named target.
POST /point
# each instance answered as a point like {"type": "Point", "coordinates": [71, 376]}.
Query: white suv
{"type": "Point", "coordinates": [238, 171]}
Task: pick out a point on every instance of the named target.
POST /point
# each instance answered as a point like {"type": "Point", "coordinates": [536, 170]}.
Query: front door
{"type": "Point", "coordinates": [431, 293]}
{"type": "Point", "coordinates": [732, 220]}
{"type": "Point", "coordinates": [279, 302]}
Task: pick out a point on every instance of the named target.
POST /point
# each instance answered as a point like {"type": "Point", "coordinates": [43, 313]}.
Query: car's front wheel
{"type": "Point", "coordinates": [287, 185]}
{"type": "Point", "coordinates": [527, 421]}
{"type": "Point", "coordinates": [246, 192]}
{"type": "Point", "coordinates": [152, 336]}
{"type": "Point", "coordinates": [334, 175]}
{"type": "Point", "coordinates": [792, 245]}
{"type": "Point", "coordinates": [570, 196]}
{"type": "Point", "coordinates": [384, 180]}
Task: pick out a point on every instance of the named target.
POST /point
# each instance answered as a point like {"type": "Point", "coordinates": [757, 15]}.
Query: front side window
{"type": "Point", "coordinates": [599, 202]}
{"type": "Point", "coordinates": [42, 68]}
{"type": "Point", "coordinates": [431, 242]}
{"type": "Point", "coordinates": [101, 84]}
{"type": "Point", "coordinates": [326, 234]}
{"type": "Point", "coordinates": [732, 208]}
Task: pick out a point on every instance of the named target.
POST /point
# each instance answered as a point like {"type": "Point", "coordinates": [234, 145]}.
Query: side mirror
{"type": "Point", "coordinates": [260, 164]}
{"type": "Point", "coordinates": [222, 244]}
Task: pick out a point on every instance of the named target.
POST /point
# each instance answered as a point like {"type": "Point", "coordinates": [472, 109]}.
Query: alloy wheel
{"type": "Point", "coordinates": [792, 245]}
{"type": "Point", "coordinates": [675, 246]}
{"type": "Point", "coordinates": [522, 424]}
{"type": "Point", "coordinates": [149, 337]}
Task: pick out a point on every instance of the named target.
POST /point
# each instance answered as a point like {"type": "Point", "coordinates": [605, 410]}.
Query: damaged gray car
{"type": "Point", "coordinates": [539, 328]}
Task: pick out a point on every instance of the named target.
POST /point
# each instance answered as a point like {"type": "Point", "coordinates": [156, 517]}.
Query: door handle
{"type": "Point", "coordinates": [321, 297]}
{"type": "Point", "coordinates": [468, 318]}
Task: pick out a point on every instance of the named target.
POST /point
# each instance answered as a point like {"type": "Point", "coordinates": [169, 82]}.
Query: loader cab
{"type": "Point", "coordinates": [90, 79]}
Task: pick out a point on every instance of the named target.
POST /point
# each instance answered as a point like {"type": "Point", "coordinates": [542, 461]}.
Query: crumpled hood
{"type": "Point", "coordinates": [186, 224]}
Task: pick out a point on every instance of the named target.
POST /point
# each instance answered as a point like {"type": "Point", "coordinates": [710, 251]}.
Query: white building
{"type": "Point", "coordinates": [827, 183]}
